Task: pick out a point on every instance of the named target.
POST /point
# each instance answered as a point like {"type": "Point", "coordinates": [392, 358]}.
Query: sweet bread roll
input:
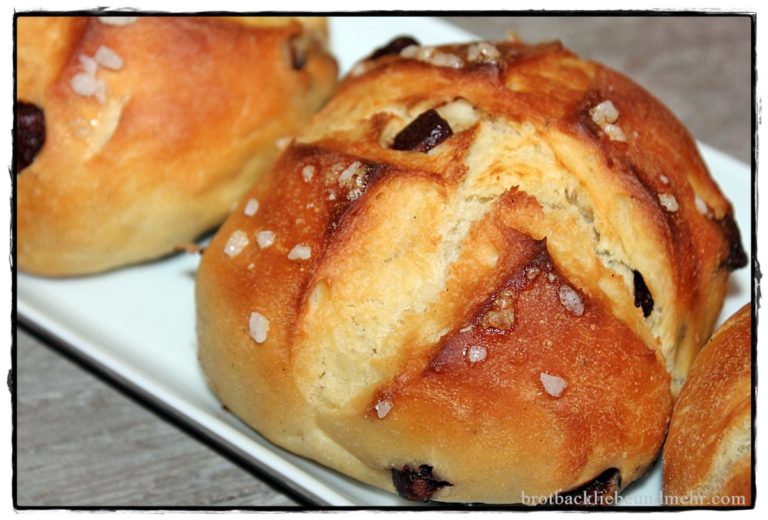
{"type": "Point", "coordinates": [134, 135]}
{"type": "Point", "coordinates": [470, 277]}
{"type": "Point", "coordinates": [708, 453]}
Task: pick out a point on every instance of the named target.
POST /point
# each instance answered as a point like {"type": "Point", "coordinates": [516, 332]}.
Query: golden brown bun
{"type": "Point", "coordinates": [708, 453]}
{"type": "Point", "coordinates": [414, 258]}
{"type": "Point", "coordinates": [187, 124]}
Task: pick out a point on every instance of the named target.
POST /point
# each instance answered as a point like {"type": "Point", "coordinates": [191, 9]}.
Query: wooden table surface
{"type": "Point", "coordinates": [83, 442]}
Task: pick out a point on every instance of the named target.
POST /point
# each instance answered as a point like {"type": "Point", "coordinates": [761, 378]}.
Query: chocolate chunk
{"type": "Point", "coordinates": [598, 492]}
{"type": "Point", "coordinates": [28, 133]}
{"type": "Point", "coordinates": [736, 256]}
{"type": "Point", "coordinates": [643, 298]}
{"type": "Point", "coordinates": [298, 53]}
{"type": "Point", "coordinates": [393, 47]}
{"type": "Point", "coordinates": [424, 133]}
{"type": "Point", "coordinates": [416, 485]}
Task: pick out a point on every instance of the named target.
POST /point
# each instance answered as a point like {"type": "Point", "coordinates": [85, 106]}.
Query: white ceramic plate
{"type": "Point", "coordinates": [137, 324]}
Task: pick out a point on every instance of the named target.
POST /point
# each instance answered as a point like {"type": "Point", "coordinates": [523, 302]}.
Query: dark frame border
{"type": "Point", "coordinates": [199, 433]}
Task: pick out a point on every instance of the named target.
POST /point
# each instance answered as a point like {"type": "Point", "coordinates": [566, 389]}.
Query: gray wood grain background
{"type": "Point", "coordinates": [81, 442]}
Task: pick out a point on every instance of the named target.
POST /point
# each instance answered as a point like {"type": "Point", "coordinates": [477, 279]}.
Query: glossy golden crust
{"type": "Point", "coordinates": [708, 451]}
{"type": "Point", "coordinates": [528, 211]}
{"type": "Point", "coordinates": [188, 123]}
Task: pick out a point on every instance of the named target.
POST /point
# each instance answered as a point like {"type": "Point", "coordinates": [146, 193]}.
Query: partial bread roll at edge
{"type": "Point", "coordinates": [474, 287]}
{"type": "Point", "coordinates": [708, 453]}
{"type": "Point", "coordinates": [154, 127]}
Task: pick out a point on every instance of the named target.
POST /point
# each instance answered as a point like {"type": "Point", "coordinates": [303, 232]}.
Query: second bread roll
{"type": "Point", "coordinates": [708, 453]}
